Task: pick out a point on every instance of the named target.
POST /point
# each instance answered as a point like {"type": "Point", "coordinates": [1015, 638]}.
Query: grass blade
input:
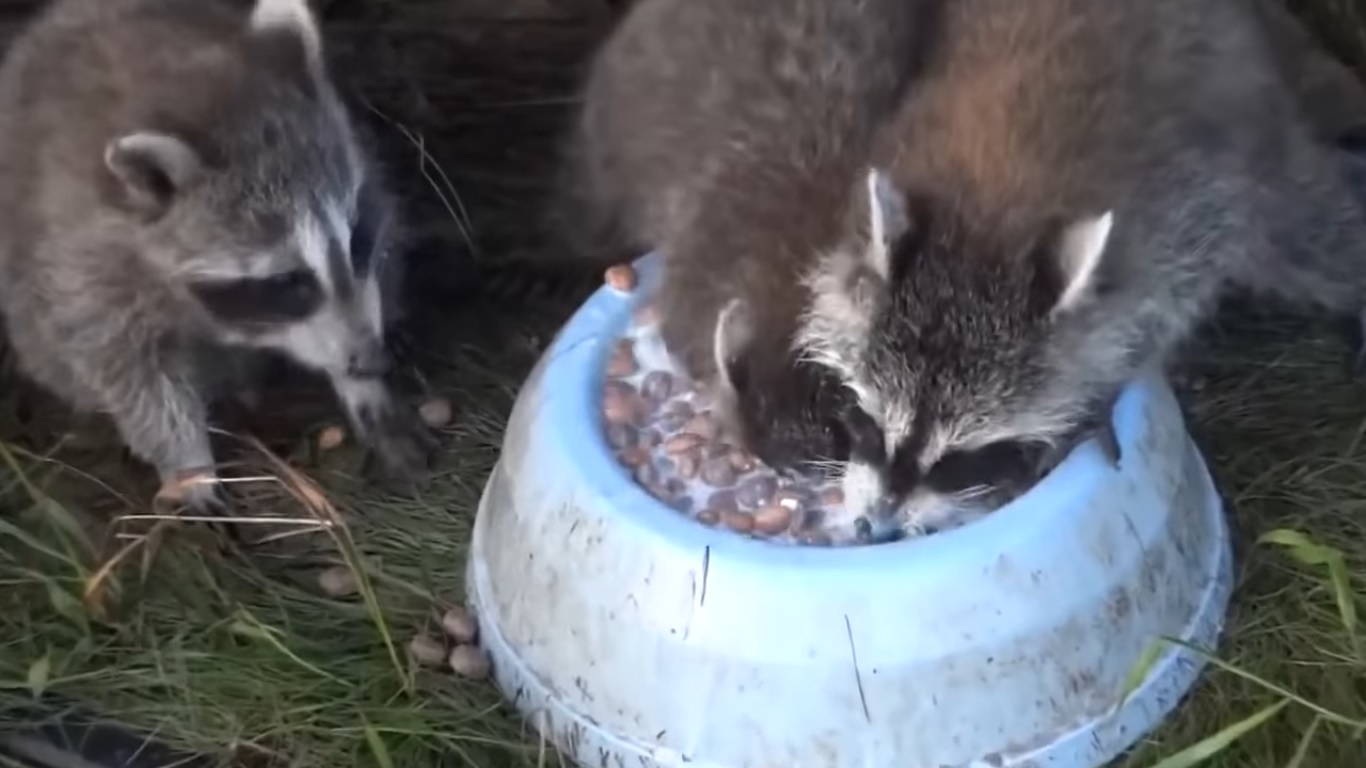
{"type": "Point", "coordinates": [1209, 747]}
{"type": "Point", "coordinates": [1297, 760]}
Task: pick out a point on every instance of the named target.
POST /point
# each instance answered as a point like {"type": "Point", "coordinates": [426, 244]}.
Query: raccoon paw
{"type": "Point", "coordinates": [400, 443]}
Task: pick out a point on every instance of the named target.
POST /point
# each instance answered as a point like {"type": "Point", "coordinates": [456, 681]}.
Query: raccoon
{"type": "Point", "coordinates": [1071, 187]}
{"type": "Point", "coordinates": [178, 176]}
{"type": "Point", "coordinates": [725, 133]}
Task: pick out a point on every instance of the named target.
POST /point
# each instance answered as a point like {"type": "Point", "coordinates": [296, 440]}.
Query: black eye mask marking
{"type": "Point", "coordinates": [283, 298]}
{"type": "Point", "coordinates": [865, 438]}
{"type": "Point", "coordinates": [1007, 462]}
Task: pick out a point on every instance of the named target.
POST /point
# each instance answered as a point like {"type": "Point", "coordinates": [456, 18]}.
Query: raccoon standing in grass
{"type": "Point", "coordinates": [179, 177]}
{"type": "Point", "coordinates": [1069, 190]}
{"type": "Point", "coordinates": [726, 133]}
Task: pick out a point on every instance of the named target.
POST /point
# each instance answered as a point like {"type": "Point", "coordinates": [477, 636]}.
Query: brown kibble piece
{"type": "Point", "coordinates": [620, 403]}
{"type": "Point", "coordinates": [623, 360]}
{"type": "Point", "coordinates": [652, 438]}
{"type": "Point", "coordinates": [743, 462]}
{"type": "Point", "coordinates": [460, 625]}
{"type": "Point", "coordinates": [790, 498]}
{"type": "Point", "coordinates": [622, 436]}
{"type": "Point", "coordinates": [722, 501]}
{"type": "Point", "coordinates": [337, 581]}
{"type": "Point", "coordinates": [738, 521]}
{"type": "Point", "coordinates": [683, 442]}
{"type": "Point", "coordinates": [687, 465]}
{"type": "Point", "coordinates": [772, 520]}
{"type": "Point", "coordinates": [331, 438]}
{"type": "Point", "coordinates": [756, 491]}
{"type": "Point", "coordinates": [832, 497]}
{"type": "Point", "coordinates": [718, 472]}
{"type": "Point", "coordinates": [703, 424]}
{"type": "Point", "coordinates": [648, 476]}
{"type": "Point", "coordinates": [436, 412]}
{"type": "Point", "coordinates": [469, 661]}
{"type": "Point", "coordinates": [708, 517]}
{"type": "Point", "coordinates": [634, 456]}
{"type": "Point", "coordinates": [427, 650]}
{"type": "Point", "coordinates": [621, 277]}
{"type": "Point", "coordinates": [657, 386]}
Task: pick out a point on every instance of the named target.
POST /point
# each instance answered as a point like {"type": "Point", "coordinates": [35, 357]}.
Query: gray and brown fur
{"type": "Point", "coordinates": [1079, 182]}
{"type": "Point", "coordinates": [726, 133]}
{"type": "Point", "coordinates": [178, 176]}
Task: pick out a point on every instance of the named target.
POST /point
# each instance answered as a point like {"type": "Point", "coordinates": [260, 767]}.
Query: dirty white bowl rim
{"type": "Point", "coordinates": [1061, 495]}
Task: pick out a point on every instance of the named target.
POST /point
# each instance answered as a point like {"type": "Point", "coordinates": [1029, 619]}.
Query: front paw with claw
{"type": "Point", "coordinates": [400, 443]}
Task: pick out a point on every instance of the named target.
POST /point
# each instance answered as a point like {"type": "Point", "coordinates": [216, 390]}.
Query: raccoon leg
{"type": "Point", "coordinates": [399, 439]}
{"type": "Point", "coordinates": [163, 421]}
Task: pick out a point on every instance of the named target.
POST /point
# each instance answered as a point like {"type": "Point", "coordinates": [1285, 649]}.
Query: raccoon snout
{"type": "Point", "coordinates": [371, 362]}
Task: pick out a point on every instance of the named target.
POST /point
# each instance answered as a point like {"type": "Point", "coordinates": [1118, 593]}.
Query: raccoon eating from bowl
{"type": "Point", "coordinates": [1068, 190]}
{"type": "Point", "coordinates": [725, 134]}
{"type": "Point", "coordinates": [179, 176]}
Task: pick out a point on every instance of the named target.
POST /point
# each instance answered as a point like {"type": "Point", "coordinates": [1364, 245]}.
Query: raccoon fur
{"type": "Point", "coordinates": [179, 176]}
{"type": "Point", "coordinates": [1070, 189]}
{"type": "Point", "coordinates": [725, 133]}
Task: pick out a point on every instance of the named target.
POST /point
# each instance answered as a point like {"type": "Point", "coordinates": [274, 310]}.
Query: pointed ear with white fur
{"type": "Point", "coordinates": [887, 220]}
{"type": "Point", "coordinates": [731, 341]}
{"type": "Point", "coordinates": [288, 31]}
{"type": "Point", "coordinates": [152, 168]}
{"type": "Point", "coordinates": [1080, 249]}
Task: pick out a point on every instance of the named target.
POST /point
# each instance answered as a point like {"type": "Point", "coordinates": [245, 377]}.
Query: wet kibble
{"type": "Point", "coordinates": [622, 436]}
{"type": "Point", "coordinates": [756, 491]}
{"type": "Point", "coordinates": [620, 403]}
{"type": "Point", "coordinates": [717, 472]}
{"type": "Point", "coordinates": [683, 442]}
{"type": "Point", "coordinates": [664, 433]}
{"type": "Point", "coordinates": [737, 521]}
{"type": "Point", "coordinates": [704, 425]}
{"type": "Point", "coordinates": [622, 362]}
{"type": "Point", "coordinates": [633, 456]}
{"type": "Point", "coordinates": [621, 277]}
{"type": "Point", "coordinates": [687, 465]}
{"type": "Point", "coordinates": [658, 386]}
{"type": "Point", "coordinates": [722, 501]}
{"type": "Point", "coordinates": [772, 520]}
{"type": "Point", "coordinates": [743, 462]}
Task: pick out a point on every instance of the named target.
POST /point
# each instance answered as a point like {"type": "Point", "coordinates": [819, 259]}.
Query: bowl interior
{"type": "Point", "coordinates": [575, 376]}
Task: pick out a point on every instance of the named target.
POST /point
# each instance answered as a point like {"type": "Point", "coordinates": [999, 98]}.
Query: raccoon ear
{"type": "Point", "coordinates": [887, 220]}
{"type": "Point", "coordinates": [733, 335]}
{"type": "Point", "coordinates": [152, 167]}
{"type": "Point", "coordinates": [287, 31]}
{"type": "Point", "coordinates": [1076, 254]}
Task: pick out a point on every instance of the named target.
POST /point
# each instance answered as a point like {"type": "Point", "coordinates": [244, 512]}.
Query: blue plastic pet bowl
{"type": "Point", "coordinates": [632, 636]}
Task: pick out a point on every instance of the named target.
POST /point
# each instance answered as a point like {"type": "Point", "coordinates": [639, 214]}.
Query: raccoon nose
{"type": "Point", "coordinates": [371, 362]}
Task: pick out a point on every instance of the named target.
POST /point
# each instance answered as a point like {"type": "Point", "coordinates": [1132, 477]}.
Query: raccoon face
{"type": "Point", "coordinates": [943, 332]}
{"type": "Point", "coordinates": [270, 220]}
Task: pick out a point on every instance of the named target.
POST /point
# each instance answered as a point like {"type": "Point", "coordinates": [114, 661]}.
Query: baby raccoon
{"type": "Point", "coordinates": [725, 133]}
{"type": "Point", "coordinates": [177, 176]}
{"type": "Point", "coordinates": [1069, 190]}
